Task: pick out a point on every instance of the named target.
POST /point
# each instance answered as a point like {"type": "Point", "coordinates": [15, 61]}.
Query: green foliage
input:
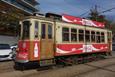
{"type": "Point", "coordinates": [96, 16]}
{"type": "Point", "coordinates": [9, 22]}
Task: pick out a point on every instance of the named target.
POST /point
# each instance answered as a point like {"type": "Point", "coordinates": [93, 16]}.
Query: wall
{"type": "Point", "coordinates": [8, 39]}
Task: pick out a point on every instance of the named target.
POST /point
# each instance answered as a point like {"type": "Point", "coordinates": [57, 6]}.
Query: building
{"type": "Point", "coordinates": [25, 6]}
{"type": "Point", "coordinates": [11, 11]}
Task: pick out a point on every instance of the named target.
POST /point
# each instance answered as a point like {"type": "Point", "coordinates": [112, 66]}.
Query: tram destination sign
{"type": "Point", "coordinates": [81, 21]}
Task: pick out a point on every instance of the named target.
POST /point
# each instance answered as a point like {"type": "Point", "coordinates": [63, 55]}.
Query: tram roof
{"type": "Point", "coordinates": [60, 21]}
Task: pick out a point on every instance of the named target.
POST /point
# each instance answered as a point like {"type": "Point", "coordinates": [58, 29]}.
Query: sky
{"type": "Point", "coordinates": [78, 8]}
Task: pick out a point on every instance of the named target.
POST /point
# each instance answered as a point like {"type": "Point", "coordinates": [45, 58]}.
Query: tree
{"type": "Point", "coordinates": [97, 16]}
{"type": "Point", "coordinates": [9, 21]}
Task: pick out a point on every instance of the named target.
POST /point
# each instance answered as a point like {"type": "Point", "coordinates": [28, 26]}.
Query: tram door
{"type": "Point", "coordinates": [47, 41]}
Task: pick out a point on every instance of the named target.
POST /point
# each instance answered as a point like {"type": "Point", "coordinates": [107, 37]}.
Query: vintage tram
{"type": "Point", "coordinates": [51, 39]}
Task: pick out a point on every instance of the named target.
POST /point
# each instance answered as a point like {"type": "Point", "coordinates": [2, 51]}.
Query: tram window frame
{"type": "Point", "coordinates": [93, 36]}
{"type": "Point", "coordinates": [81, 35]}
{"type": "Point", "coordinates": [50, 31]}
{"type": "Point", "coordinates": [36, 29]}
{"type": "Point", "coordinates": [73, 35]}
{"type": "Point", "coordinates": [26, 30]}
{"type": "Point", "coordinates": [87, 35]}
{"type": "Point", "coordinates": [98, 37]}
{"type": "Point", "coordinates": [43, 30]}
{"type": "Point", "coordinates": [102, 37]}
{"type": "Point", "coordinates": [65, 34]}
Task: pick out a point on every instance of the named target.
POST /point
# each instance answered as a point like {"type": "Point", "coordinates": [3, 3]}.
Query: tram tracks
{"type": "Point", "coordinates": [96, 67]}
{"type": "Point", "coordinates": [75, 70]}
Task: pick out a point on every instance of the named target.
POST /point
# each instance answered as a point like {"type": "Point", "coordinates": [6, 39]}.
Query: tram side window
{"type": "Point", "coordinates": [81, 35]}
{"type": "Point", "coordinates": [65, 34]}
{"type": "Point", "coordinates": [98, 39]}
{"type": "Point", "coordinates": [92, 36]}
{"type": "Point", "coordinates": [73, 34]}
{"type": "Point", "coordinates": [49, 31]}
{"type": "Point", "coordinates": [26, 30]}
{"type": "Point", "coordinates": [36, 29]}
{"type": "Point", "coordinates": [102, 37]}
{"type": "Point", "coordinates": [87, 36]}
{"type": "Point", "coordinates": [43, 32]}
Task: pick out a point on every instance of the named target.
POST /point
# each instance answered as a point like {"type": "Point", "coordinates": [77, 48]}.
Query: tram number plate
{"type": "Point", "coordinates": [46, 62]}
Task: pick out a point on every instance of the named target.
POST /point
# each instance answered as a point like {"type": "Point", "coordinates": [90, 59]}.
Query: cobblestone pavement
{"type": "Point", "coordinates": [6, 66]}
{"type": "Point", "coordinates": [102, 68]}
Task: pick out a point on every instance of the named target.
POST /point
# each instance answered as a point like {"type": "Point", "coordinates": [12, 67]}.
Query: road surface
{"type": "Point", "coordinates": [101, 68]}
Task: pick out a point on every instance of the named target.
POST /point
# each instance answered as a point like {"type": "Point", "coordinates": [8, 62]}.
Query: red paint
{"type": "Point", "coordinates": [69, 49]}
{"type": "Point", "coordinates": [81, 21]}
{"type": "Point", "coordinates": [61, 49]}
{"type": "Point", "coordinates": [24, 50]}
{"type": "Point", "coordinates": [22, 56]}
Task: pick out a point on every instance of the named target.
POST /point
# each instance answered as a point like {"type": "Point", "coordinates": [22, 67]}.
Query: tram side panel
{"type": "Point", "coordinates": [71, 48]}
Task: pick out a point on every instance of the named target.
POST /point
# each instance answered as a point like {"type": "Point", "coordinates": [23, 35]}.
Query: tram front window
{"type": "Point", "coordinates": [26, 30]}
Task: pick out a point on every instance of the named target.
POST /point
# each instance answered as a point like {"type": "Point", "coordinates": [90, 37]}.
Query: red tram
{"type": "Point", "coordinates": [48, 40]}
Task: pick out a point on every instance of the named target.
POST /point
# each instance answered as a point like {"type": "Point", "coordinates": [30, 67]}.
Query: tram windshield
{"type": "Point", "coordinates": [26, 30]}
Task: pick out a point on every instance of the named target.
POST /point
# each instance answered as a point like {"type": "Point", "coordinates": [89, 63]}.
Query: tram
{"type": "Point", "coordinates": [53, 39]}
